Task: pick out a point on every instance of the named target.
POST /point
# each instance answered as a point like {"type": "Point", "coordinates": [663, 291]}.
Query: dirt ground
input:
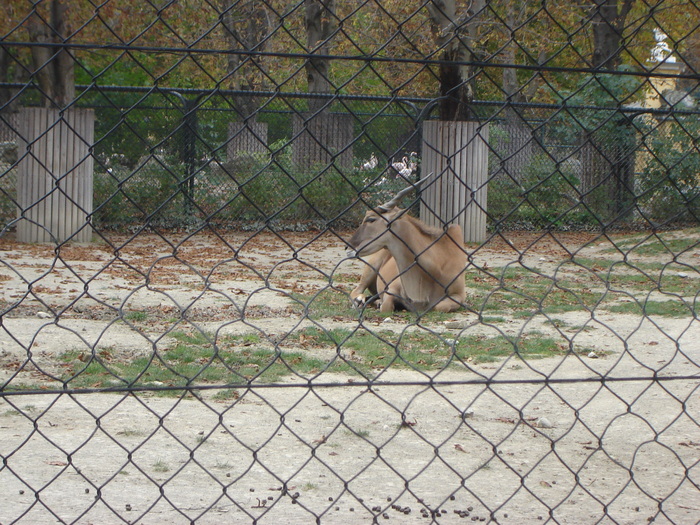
{"type": "Point", "coordinates": [609, 435]}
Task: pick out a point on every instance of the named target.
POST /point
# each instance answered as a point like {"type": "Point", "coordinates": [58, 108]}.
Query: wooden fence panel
{"type": "Point", "coordinates": [321, 139]}
{"type": "Point", "coordinates": [246, 138]}
{"type": "Point", "coordinates": [456, 153]}
{"type": "Point", "coordinates": [55, 186]}
{"type": "Point", "coordinates": [515, 148]}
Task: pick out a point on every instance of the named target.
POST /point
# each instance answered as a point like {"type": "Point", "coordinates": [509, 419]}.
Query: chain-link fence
{"type": "Point", "coordinates": [185, 338]}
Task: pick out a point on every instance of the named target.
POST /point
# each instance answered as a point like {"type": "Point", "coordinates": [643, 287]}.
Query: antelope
{"type": "Point", "coordinates": [408, 264]}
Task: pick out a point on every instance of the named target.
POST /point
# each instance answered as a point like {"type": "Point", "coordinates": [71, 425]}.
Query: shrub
{"type": "Point", "coordinates": [546, 195]}
{"type": "Point", "coordinates": [253, 188]}
{"type": "Point", "coordinates": [668, 182]}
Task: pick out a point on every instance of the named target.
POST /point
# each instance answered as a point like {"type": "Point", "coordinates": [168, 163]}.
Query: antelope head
{"type": "Point", "coordinates": [372, 235]}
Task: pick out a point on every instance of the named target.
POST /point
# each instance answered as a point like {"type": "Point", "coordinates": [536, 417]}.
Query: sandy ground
{"type": "Point", "coordinates": [509, 441]}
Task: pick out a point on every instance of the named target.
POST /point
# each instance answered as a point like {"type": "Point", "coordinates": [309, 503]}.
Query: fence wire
{"type": "Point", "coordinates": [183, 335]}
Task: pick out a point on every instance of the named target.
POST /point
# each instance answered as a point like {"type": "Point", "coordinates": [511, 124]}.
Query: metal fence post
{"type": "Point", "coordinates": [188, 148]}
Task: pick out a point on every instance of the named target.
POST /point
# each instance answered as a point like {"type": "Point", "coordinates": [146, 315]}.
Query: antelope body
{"type": "Point", "coordinates": [408, 263]}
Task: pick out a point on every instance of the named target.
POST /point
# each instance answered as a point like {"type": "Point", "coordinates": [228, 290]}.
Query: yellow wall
{"type": "Point", "coordinates": [661, 84]}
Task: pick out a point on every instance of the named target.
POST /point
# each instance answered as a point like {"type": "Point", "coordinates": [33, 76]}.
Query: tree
{"type": "Point", "coordinates": [9, 73]}
{"type": "Point", "coordinates": [321, 25]}
{"type": "Point", "coordinates": [455, 38]}
{"type": "Point", "coordinates": [607, 178]}
{"type": "Point", "coordinates": [54, 65]}
{"type": "Point", "coordinates": [245, 25]}
{"type": "Point", "coordinates": [608, 20]}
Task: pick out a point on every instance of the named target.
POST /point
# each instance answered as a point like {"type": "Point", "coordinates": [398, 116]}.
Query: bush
{"type": "Point", "coordinates": [545, 196]}
{"type": "Point", "coordinates": [254, 188]}
{"type": "Point", "coordinates": [149, 193]}
{"type": "Point", "coordinates": [668, 185]}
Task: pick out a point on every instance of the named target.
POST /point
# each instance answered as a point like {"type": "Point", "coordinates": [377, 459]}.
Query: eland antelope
{"type": "Point", "coordinates": [409, 264]}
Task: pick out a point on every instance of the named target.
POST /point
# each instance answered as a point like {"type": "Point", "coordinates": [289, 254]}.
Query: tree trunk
{"type": "Point", "coordinates": [9, 72]}
{"type": "Point", "coordinates": [245, 24]}
{"type": "Point", "coordinates": [53, 66]}
{"type": "Point", "coordinates": [450, 35]}
{"type": "Point", "coordinates": [608, 176]}
{"type": "Point", "coordinates": [320, 23]}
{"type": "Point", "coordinates": [608, 25]}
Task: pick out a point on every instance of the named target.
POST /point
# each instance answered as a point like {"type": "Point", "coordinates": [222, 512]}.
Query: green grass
{"type": "Point", "coordinates": [227, 394]}
{"type": "Point", "coordinates": [136, 316]}
{"type": "Point", "coordinates": [131, 433]}
{"type": "Point", "coordinates": [644, 277]}
{"type": "Point", "coordinates": [19, 386]}
{"type": "Point", "coordinates": [518, 292]}
{"type": "Point", "coordinates": [426, 350]}
{"type": "Point", "coordinates": [664, 243]}
{"type": "Point", "coordinates": [193, 361]}
{"type": "Point", "coordinates": [161, 466]}
{"type": "Point", "coordinates": [521, 293]}
{"type": "Point", "coordinates": [333, 302]}
{"type": "Point", "coordinates": [671, 308]}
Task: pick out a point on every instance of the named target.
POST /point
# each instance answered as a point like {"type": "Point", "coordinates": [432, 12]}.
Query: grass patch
{"type": "Point", "coordinates": [18, 386]}
{"type": "Point", "coordinates": [672, 308]}
{"type": "Point", "coordinates": [327, 303]}
{"type": "Point", "coordinates": [487, 349]}
{"type": "Point", "coordinates": [426, 351]}
{"type": "Point", "coordinates": [517, 292]}
{"type": "Point", "coordinates": [131, 433]}
{"type": "Point", "coordinates": [161, 466]}
{"type": "Point", "coordinates": [660, 243]}
{"type": "Point", "coordinates": [227, 394]}
{"type": "Point", "coordinates": [647, 277]}
{"type": "Point", "coordinates": [136, 316]}
{"type": "Point", "coordinates": [239, 360]}
{"type": "Point", "coordinates": [335, 303]}
{"type": "Point", "coordinates": [193, 361]}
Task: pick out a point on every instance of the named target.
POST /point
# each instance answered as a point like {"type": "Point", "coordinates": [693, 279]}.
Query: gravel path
{"type": "Point", "coordinates": [507, 441]}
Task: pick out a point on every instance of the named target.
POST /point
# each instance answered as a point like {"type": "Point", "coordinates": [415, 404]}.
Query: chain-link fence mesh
{"type": "Point", "coordinates": [182, 333]}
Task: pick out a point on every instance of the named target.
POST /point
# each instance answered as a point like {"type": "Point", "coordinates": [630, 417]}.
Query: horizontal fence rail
{"type": "Point", "coordinates": [349, 262]}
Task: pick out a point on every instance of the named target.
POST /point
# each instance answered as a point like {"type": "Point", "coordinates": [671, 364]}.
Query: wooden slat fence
{"type": "Point", "coordinates": [457, 155]}
{"type": "Point", "coordinates": [321, 138]}
{"type": "Point", "coordinates": [55, 179]}
{"type": "Point", "coordinates": [246, 138]}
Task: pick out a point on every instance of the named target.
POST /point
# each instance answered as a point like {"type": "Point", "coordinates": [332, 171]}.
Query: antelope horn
{"type": "Point", "coordinates": [397, 198]}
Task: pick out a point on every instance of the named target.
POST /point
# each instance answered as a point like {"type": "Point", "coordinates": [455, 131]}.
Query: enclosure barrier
{"type": "Point", "coordinates": [181, 337]}
{"type": "Point", "coordinates": [457, 154]}
{"type": "Point", "coordinates": [54, 184]}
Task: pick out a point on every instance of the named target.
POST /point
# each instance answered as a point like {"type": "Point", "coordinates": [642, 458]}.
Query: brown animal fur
{"type": "Point", "coordinates": [409, 264]}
